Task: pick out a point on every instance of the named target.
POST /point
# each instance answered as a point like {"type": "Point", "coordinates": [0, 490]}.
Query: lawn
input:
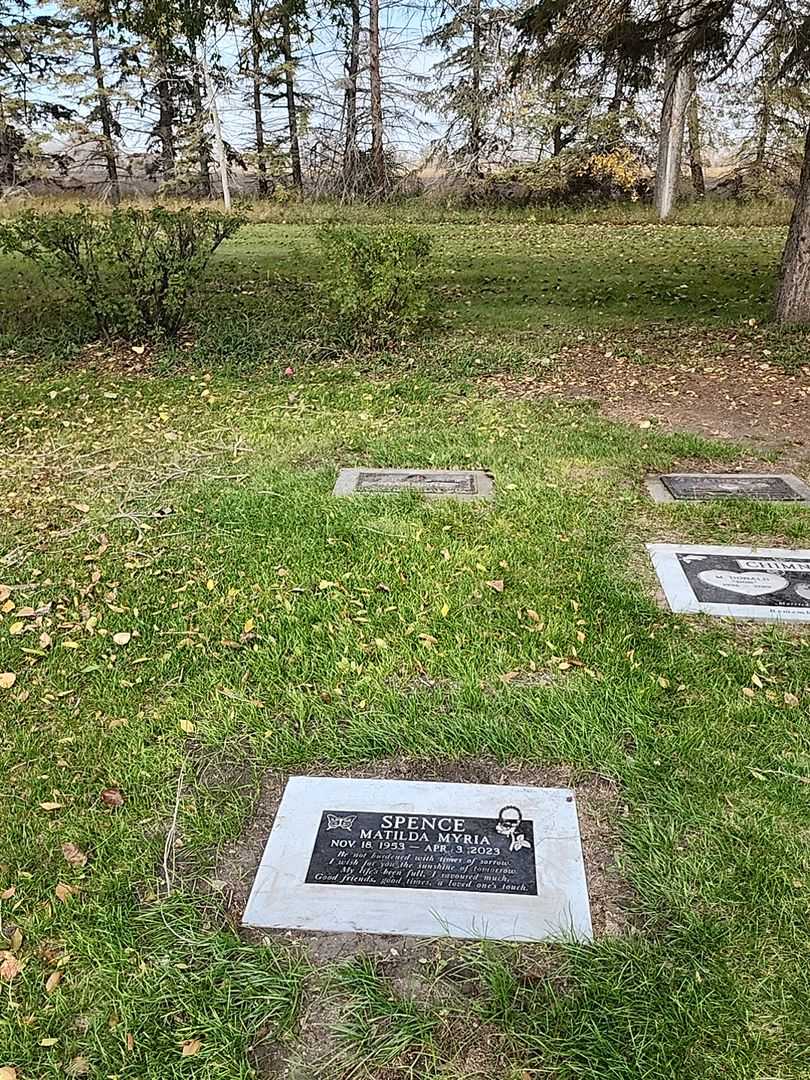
{"type": "Point", "coordinates": [185, 610]}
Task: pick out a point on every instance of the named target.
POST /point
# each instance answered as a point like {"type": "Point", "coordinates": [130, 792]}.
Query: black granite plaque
{"type": "Point", "coordinates": [425, 851]}
{"type": "Point", "coordinates": [761, 488]}
{"type": "Point", "coordinates": [430, 483]}
{"type": "Point", "coordinates": [748, 579]}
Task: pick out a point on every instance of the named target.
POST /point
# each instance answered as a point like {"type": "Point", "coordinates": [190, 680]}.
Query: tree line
{"type": "Point", "coordinates": [321, 91]}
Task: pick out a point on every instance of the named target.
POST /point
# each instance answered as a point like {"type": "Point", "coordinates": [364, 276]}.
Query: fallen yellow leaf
{"type": "Point", "coordinates": [7, 680]}
{"type": "Point", "coordinates": [190, 1046]}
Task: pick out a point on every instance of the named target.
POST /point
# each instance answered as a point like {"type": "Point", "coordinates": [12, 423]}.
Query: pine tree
{"type": "Point", "coordinates": [473, 35]}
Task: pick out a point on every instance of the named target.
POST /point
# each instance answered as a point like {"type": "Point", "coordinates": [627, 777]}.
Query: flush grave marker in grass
{"type": "Point", "coordinates": [697, 487]}
{"type": "Point", "coordinates": [427, 859]}
{"type": "Point", "coordinates": [464, 485]}
{"type": "Point", "coordinates": [742, 582]}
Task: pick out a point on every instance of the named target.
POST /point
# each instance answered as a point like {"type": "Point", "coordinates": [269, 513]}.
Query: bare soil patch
{"type": "Point", "coordinates": [737, 395]}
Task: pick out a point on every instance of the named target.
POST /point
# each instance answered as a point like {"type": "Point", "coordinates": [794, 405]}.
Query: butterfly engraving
{"type": "Point", "coordinates": [335, 821]}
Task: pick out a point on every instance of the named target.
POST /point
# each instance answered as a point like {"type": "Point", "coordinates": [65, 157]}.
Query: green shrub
{"type": "Point", "coordinates": [133, 270]}
{"type": "Point", "coordinates": [377, 280]}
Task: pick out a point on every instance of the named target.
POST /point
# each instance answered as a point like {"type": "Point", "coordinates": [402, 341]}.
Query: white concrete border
{"type": "Point", "coordinates": [281, 897]}
{"type": "Point", "coordinates": [661, 493]}
{"type": "Point", "coordinates": [483, 483]}
{"type": "Point", "coordinates": [681, 597]}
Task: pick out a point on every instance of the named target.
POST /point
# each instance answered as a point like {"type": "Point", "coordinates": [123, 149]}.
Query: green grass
{"type": "Point", "coordinates": [273, 627]}
{"type": "Point", "coordinates": [515, 283]}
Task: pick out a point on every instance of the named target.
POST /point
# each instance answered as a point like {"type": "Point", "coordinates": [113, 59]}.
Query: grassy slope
{"type": "Point", "coordinates": [240, 650]}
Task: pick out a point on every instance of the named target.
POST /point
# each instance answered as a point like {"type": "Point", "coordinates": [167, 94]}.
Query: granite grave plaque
{"type": "Point", "coordinates": [433, 483]}
{"type": "Point", "coordinates": [752, 583]}
{"type": "Point", "coordinates": [698, 487]}
{"type": "Point", "coordinates": [407, 857]}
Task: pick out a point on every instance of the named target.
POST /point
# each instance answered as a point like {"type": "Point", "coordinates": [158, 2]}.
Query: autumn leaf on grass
{"type": "Point", "coordinates": [8, 1072]}
{"type": "Point", "coordinates": [10, 966]}
{"type": "Point", "coordinates": [7, 894]}
{"type": "Point", "coordinates": [7, 680]}
{"type": "Point", "coordinates": [190, 1046]}
{"type": "Point", "coordinates": [496, 586]}
{"type": "Point", "coordinates": [64, 892]}
{"type": "Point", "coordinates": [73, 854]}
{"type": "Point", "coordinates": [52, 981]}
{"type": "Point", "coordinates": [112, 798]}
{"type": "Point", "coordinates": [123, 637]}
{"type": "Point", "coordinates": [49, 806]}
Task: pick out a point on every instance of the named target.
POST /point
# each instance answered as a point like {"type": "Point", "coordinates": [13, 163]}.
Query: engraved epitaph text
{"type": "Point", "coordinates": [753, 580]}
{"type": "Point", "coordinates": [429, 483]}
{"type": "Point", "coordinates": [762, 488]}
{"type": "Point", "coordinates": [425, 851]}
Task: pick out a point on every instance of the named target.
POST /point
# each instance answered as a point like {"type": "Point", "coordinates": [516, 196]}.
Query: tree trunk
{"type": "Point", "coordinates": [695, 149]}
{"type": "Point", "coordinates": [793, 299]}
{"type": "Point", "coordinates": [219, 142]}
{"type": "Point", "coordinates": [670, 143]}
{"type": "Point", "coordinates": [165, 127]}
{"type": "Point", "coordinates": [622, 66]}
{"type": "Point", "coordinates": [475, 89]}
{"type": "Point", "coordinates": [10, 143]}
{"type": "Point", "coordinates": [350, 155]}
{"type": "Point", "coordinates": [557, 144]}
{"type": "Point", "coordinates": [763, 119]}
{"type": "Point", "coordinates": [289, 88]}
{"type": "Point", "coordinates": [256, 76]}
{"type": "Point", "coordinates": [105, 114]}
{"type": "Point", "coordinates": [203, 154]}
{"type": "Point", "coordinates": [616, 102]}
{"type": "Point", "coordinates": [378, 178]}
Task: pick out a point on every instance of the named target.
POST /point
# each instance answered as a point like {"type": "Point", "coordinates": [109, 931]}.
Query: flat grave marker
{"type": "Point", "coordinates": [699, 487]}
{"type": "Point", "coordinates": [464, 485]}
{"type": "Point", "coordinates": [426, 859]}
{"type": "Point", "coordinates": [741, 582]}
